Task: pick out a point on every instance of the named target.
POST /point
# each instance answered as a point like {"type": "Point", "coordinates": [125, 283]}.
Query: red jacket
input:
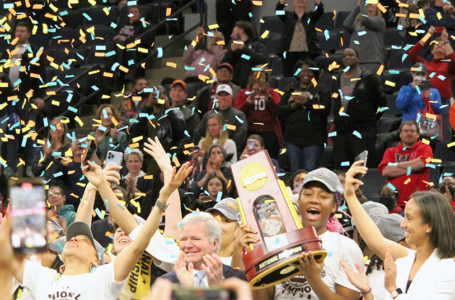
{"type": "Point", "coordinates": [396, 154]}
{"type": "Point", "coordinates": [440, 67]}
{"type": "Point", "coordinates": [261, 112]}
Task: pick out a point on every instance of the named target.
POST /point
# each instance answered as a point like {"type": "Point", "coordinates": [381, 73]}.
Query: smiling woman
{"type": "Point", "coordinates": [318, 202]}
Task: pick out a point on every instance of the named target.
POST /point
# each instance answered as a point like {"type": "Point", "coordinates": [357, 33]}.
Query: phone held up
{"type": "Point", "coordinates": [362, 156]}
{"type": "Point", "coordinates": [28, 210]}
{"type": "Point", "coordinates": [113, 158]}
{"type": "Point", "coordinates": [216, 293]}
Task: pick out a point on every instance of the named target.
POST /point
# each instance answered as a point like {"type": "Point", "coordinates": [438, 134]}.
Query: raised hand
{"type": "Point", "coordinates": [185, 276]}
{"type": "Point", "coordinates": [246, 236]}
{"type": "Point", "coordinates": [431, 30]}
{"type": "Point", "coordinates": [352, 184]}
{"type": "Point", "coordinates": [390, 269]}
{"type": "Point", "coordinates": [93, 173]}
{"type": "Point", "coordinates": [155, 149]}
{"type": "Point", "coordinates": [213, 267]}
{"type": "Point", "coordinates": [359, 280]}
{"type": "Point", "coordinates": [176, 179]}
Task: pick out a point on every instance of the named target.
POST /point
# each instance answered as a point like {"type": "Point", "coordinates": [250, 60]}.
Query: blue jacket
{"type": "Point", "coordinates": [409, 101]}
{"type": "Point", "coordinates": [447, 19]}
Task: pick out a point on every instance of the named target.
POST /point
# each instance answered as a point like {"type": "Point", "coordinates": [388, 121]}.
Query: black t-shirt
{"type": "Point", "coordinates": [99, 229]}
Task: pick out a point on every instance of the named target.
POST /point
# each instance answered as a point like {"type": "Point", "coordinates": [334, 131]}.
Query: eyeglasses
{"type": "Point", "coordinates": [409, 130]}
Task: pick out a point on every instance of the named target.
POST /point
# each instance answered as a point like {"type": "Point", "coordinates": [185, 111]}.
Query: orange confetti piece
{"type": "Point", "coordinates": [400, 15]}
{"type": "Point", "coordinates": [135, 145]}
{"type": "Point", "coordinates": [257, 3]}
{"type": "Point", "coordinates": [314, 82]}
{"type": "Point", "coordinates": [414, 16]}
{"type": "Point", "coordinates": [189, 145]}
{"type": "Point", "coordinates": [108, 74]}
{"type": "Point", "coordinates": [114, 121]}
{"type": "Point", "coordinates": [171, 64]}
{"type": "Point", "coordinates": [71, 172]}
{"type": "Point", "coordinates": [148, 177]}
{"type": "Point", "coordinates": [168, 11]}
{"type": "Point", "coordinates": [176, 161]}
{"type": "Point", "coordinates": [233, 205]}
{"type": "Point", "coordinates": [123, 69]}
{"type": "Point", "coordinates": [382, 8]}
{"type": "Point", "coordinates": [380, 70]}
{"type": "Point", "coordinates": [203, 77]}
{"type": "Point", "coordinates": [230, 127]}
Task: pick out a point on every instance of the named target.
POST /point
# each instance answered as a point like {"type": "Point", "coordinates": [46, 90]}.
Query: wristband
{"type": "Point", "coordinates": [366, 292]}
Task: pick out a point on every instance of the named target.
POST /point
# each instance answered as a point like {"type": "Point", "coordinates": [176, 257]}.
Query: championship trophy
{"type": "Point", "coordinates": [265, 206]}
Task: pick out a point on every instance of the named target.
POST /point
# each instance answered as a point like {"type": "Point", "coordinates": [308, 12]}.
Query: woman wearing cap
{"type": "Point", "coordinates": [318, 202]}
{"type": "Point", "coordinates": [429, 224]}
{"type": "Point", "coordinates": [196, 55]}
{"type": "Point", "coordinates": [217, 155]}
{"type": "Point", "coordinates": [216, 134]}
{"type": "Point", "coordinates": [226, 212]}
{"type": "Point", "coordinates": [259, 103]}
{"type": "Point", "coordinates": [214, 190]}
{"type": "Point", "coordinates": [82, 274]}
{"type": "Point", "coordinates": [304, 110]}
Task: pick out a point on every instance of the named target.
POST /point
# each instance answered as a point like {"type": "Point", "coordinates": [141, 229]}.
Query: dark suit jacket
{"type": "Point", "coordinates": [228, 272]}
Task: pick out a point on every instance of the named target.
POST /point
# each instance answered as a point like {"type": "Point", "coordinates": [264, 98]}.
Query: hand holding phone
{"type": "Point", "coordinates": [439, 29]}
{"type": "Point", "coordinates": [362, 156]}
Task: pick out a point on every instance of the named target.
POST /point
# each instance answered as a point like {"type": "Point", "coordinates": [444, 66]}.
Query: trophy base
{"type": "Point", "coordinates": [268, 269]}
{"type": "Point", "coordinates": [282, 271]}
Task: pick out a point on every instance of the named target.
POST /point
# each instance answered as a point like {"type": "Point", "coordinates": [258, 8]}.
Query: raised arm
{"type": "Point", "coordinates": [349, 22]}
{"type": "Point", "coordinates": [375, 23]}
{"type": "Point", "coordinates": [368, 230]}
{"type": "Point", "coordinates": [174, 211]}
{"type": "Point", "coordinates": [127, 259]}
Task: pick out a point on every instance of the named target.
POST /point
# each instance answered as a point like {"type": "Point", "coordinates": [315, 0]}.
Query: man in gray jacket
{"type": "Point", "coordinates": [231, 115]}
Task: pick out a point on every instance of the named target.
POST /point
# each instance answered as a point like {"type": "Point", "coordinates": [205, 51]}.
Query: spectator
{"type": "Point", "coordinates": [442, 14]}
{"type": "Point", "coordinates": [303, 110]}
{"type": "Point", "coordinates": [49, 155]}
{"type": "Point", "coordinates": [56, 199]}
{"type": "Point", "coordinates": [226, 212]}
{"type": "Point", "coordinates": [132, 28]}
{"type": "Point", "coordinates": [206, 97]}
{"type": "Point", "coordinates": [200, 241]}
{"type": "Point", "coordinates": [390, 198]}
{"type": "Point", "coordinates": [441, 69]}
{"type": "Point", "coordinates": [202, 60]}
{"type": "Point", "coordinates": [449, 180]}
{"type": "Point", "coordinates": [317, 205]}
{"type": "Point", "coordinates": [169, 129]}
{"type": "Point", "coordinates": [72, 172]}
{"type": "Point", "coordinates": [25, 83]}
{"type": "Point", "coordinates": [259, 103]}
{"type": "Point", "coordinates": [245, 44]}
{"type": "Point", "coordinates": [134, 180]}
{"type": "Point", "coordinates": [134, 104]}
{"type": "Point", "coordinates": [232, 116]}
{"type": "Point", "coordinates": [217, 155]}
{"type": "Point", "coordinates": [256, 144]}
{"type": "Point", "coordinates": [299, 40]}
{"type": "Point", "coordinates": [356, 121]}
{"type": "Point", "coordinates": [216, 134]}
{"type": "Point", "coordinates": [213, 191]}
{"type": "Point", "coordinates": [229, 12]}
{"type": "Point", "coordinates": [449, 192]}
{"type": "Point", "coordinates": [429, 226]}
{"type": "Point", "coordinates": [410, 100]}
{"type": "Point", "coordinates": [107, 136]}
{"type": "Point", "coordinates": [103, 230]}
{"type": "Point", "coordinates": [407, 23]}
{"type": "Point", "coordinates": [367, 29]}
{"type": "Point", "coordinates": [405, 165]}
{"type": "Point", "coordinates": [178, 95]}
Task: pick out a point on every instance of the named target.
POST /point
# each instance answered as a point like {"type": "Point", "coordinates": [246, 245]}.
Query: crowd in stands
{"type": "Point", "coordinates": [314, 90]}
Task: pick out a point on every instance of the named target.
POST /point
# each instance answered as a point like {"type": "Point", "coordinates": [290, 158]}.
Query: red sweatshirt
{"type": "Point", "coordinates": [395, 155]}
{"type": "Point", "coordinates": [261, 112]}
{"type": "Point", "coordinates": [440, 67]}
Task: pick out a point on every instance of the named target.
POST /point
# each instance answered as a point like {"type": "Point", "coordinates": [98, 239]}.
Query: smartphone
{"type": "Point", "coordinates": [237, 37]}
{"type": "Point", "coordinates": [439, 29]}
{"type": "Point", "coordinates": [214, 293]}
{"type": "Point", "coordinates": [91, 148]}
{"type": "Point", "coordinates": [362, 156]}
{"type": "Point", "coordinates": [250, 144]}
{"type": "Point", "coordinates": [28, 210]}
{"type": "Point", "coordinates": [425, 84]}
{"type": "Point", "coordinates": [113, 158]}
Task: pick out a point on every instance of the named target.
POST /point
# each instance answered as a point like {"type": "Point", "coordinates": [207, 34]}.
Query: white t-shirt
{"type": "Point", "coordinates": [14, 70]}
{"type": "Point", "coordinates": [376, 279]}
{"type": "Point", "coordinates": [337, 247]}
{"type": "Point", "coordinates": [45, 284]}
{"type": "Point", "coordinates": [226, 260]}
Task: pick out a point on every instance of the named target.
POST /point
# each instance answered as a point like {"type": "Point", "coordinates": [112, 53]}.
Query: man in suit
{"type": "Point", "coordinates": [198, 264]}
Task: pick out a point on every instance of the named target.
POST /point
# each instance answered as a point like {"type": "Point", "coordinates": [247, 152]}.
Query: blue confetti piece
{"type": "Point", "coordinates": [8, 5]}
{"type": "Point", "coordinates": [407, 47]}
{"type": "Point", "coordinates": [441, 77]}
{"type": "Point", "coordinates": [297, 72]}
{"type": "Point", "coordinates": [433, 137]}
{"type": "Point", "coordinates": [280, 12]}
{"type": "Point", "coordinates": [343, 114]}
{"type": "Point", "coordinates": [115, 66]}
{"type": "Point", "coordinates": [109, 54]}
{"type": "Point", "coordinates": [430, 166]}
{"type": "Point", "coordinates": [87, 16]}
{"type": "Point", "coordinates": [102, 128]}
{"type": "Point", "coordinates": [170, 242]}
{"type": "Point", "coordinates": [24, 141]}
{"type": "Point", "coordinates": [408, 172]}
{"type": "Point", "coordinates": [95, 87]}
{"type": "Point", "coordinates": [196, 212]}
{"type": "Point", "coordinates": [440, 179]}
{"type": "Point", "coordinates": [281, 174]}
{"type": "Point", "coordinates": [308, 116]}
{"type": "Point", "coordinates": [404, 149]}
{"type": "Point", "coordinates": [404, 57]}
{"type": "Point", "coordinates": [284, 54]}
{"type": "Point", "coordinates": [73, 109]}
{"type": "Point", "coordinates": [329, 254]}
{"type": "Point", "coordinates": [53, 127]}
{"type": "Point", "coordinates": [423, 20]}
{"type": "Point", "coordinates": [186, 133]}
{"type": "Point", "coordinates": [240, 120]}
{"type": "Point", "coordinates": [130, 62]}
{"type": "Point", "coordinates": [63, 13]}
{"type": "Point", "coordinates": [113, 25]}
{"type": "Point", "coordinates": [356, 42]}
{"type": "Point", "coordinates": [443, 106]}
{"type": "Point", "coordinates": [58, 174]}
{"type": "Point", "coordinates": [98, 212]}
{"type": "Point", "coordinates": [400, 27]}
{"type": "Point", "coordinates": [396, 47]}
{"type": "Point", "coordinates": [202, 60]}
{"type": "Point", "coordinates": [361, 33]}
{"type": "Point", "coordinates": [346, 69]}
{"type": "Point", "coordinates": [250, 14]}
{"type": "Point", "coordinates": [357, 134]}
{"type": "Point", "coordinates": [447, 174]}
{"type": "Point", "coordinates": [244, 56]}
{"type": "Point", "coordinates": [206, 68]}
{"type": "Point", "coordinates": [277, 240]}
{"type": "Point", "coordinates": [70, 96]}
{"type": "Point", "coordinates": [345, 164]}
{"type": "Point", "coordinates": [105, 113]}
{"type": "Point", "coordinates": [326, 34]}
{"type": "Point", "coordinates": [342, 207]}
{"type": "Point", "coordinates": [123, 207]}
{"type": "Point", "coordinates": [391, 186]}
{"type": "Point", "coordinates": [276, 211]}
{"type": "Point", "coordinates": [383, 109]}
{"type": "Point", "coordinates": [160, 52]}
{"type": "Point", "coordinates": [17, 82]}
{"type": "Point", "coordinates": [218, 196]}
{"type": "Point", "coordinates": [394, 72]}
{"type": "Point", "coordinates": [59, 246]}
{"type": "Point", "coordinates": [332, 134]}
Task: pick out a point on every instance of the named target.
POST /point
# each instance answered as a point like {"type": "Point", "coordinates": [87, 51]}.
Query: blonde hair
{"type": "Point", "coordinates": [207, 142]}
{"type": "Point", "coordinates": [252, 78]}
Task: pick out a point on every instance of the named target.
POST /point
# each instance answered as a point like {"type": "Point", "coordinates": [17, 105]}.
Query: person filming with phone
{"type": "Point", "coordinates": [414, 96]}
{"type": "Point", "coordinates": [405, 165]}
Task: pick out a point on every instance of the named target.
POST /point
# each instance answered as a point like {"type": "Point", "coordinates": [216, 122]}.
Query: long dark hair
{"type": "Point", "coordinates": [437, 212]}
{"type": "Point", "coordinates": [223, 185]}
